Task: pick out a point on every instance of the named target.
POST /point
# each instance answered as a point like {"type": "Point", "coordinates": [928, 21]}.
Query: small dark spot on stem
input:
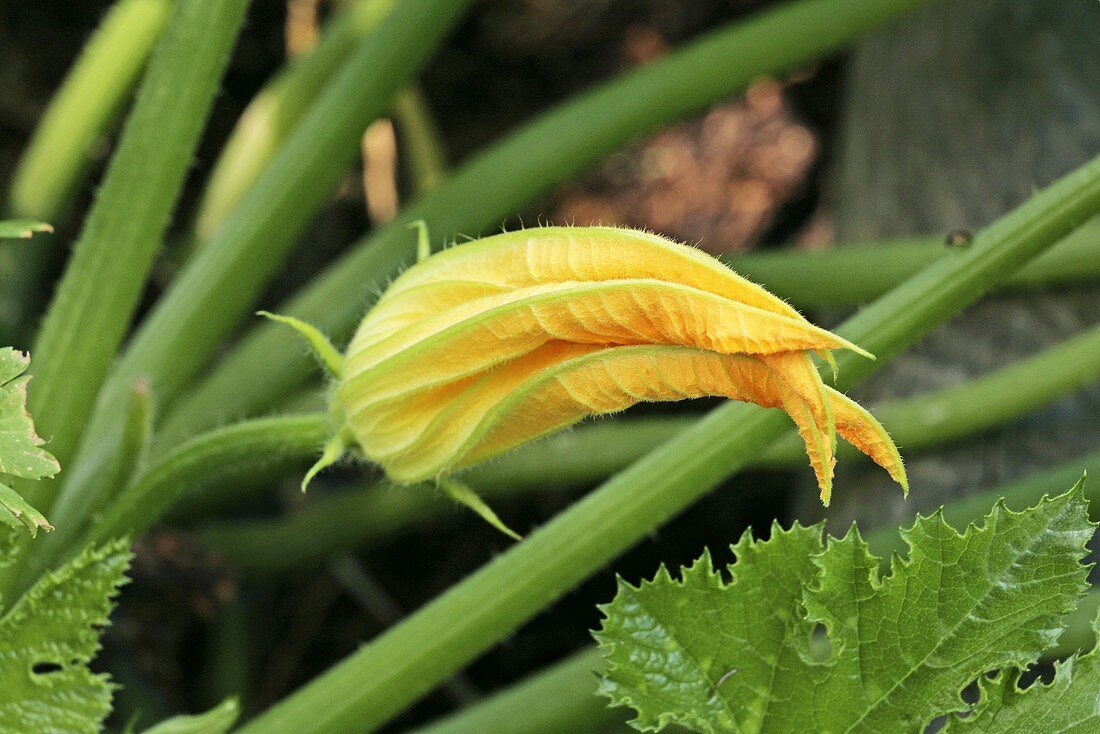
{"type": "Point", "coordinates": [959, 238]}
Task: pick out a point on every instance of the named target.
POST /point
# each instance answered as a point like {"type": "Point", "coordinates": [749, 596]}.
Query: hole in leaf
{"type": "Point", "coordinates": [45, 668]}
{"type": "Point", "coordinates": [821, 649]}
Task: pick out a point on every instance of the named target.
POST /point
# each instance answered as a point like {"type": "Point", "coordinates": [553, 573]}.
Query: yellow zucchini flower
{"type": "Point", "coordinates": [491, 344]}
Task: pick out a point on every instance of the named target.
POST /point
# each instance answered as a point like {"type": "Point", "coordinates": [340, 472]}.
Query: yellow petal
{"type": "Point", "coordinates": [474, 336]}
{"type": "Point", "coordinates": [548, 255]}
{"type": "Point", "coordinates": [561, 383]}
{"type": "Point", "coordinates": [862, 430]}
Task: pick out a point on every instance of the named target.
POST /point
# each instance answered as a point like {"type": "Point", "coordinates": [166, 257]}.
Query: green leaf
{"type": "Point", "coordinates": [49, 637]}
{"type": "Point", "coordinates": [21, 454]}
{"type": "Point", "coordinates": [20, 513]}
{"type": "Point", "coordinates": [1067, 704]}
{"type": "Point", "coordinates": [21, 229]}
{"type": "Point", "coordinates": [217, 720]}
{"type": "Point", "coordinates": [810, 639]}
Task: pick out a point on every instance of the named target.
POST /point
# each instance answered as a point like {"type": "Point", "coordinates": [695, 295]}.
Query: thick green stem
{"type": "Point", "coordinates": [66, 142]}
{"type": "Point", "coordinates": [195, 466]}
{"type": "Point", "coordinates": [102, 284]}
{"type": "Point", "coordinates": [382, 678]}
{"type": "Point", "coordinates": [220, 283]}
{"type": "Point", "coordinates": [854, 274]}
{"type": "Point", "coordinates": [278, 108]}
{"type": "Point", "coordinates": [203, 461]}
{"type": "Point", "coordinates": [561, 698]}
{"type": "Point", "coordinates": [564, 693]}
{"type": "Point", "coordinates": [502, 179]}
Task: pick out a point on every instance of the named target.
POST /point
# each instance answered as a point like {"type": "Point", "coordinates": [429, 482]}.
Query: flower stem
{"type": "Point", "coordinates": [191, 468]}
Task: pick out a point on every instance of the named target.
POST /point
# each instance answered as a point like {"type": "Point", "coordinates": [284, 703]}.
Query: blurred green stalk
{"type": "Point", "coordinates": [275, 112]}
{"type": "Point", "coordinates": [71, 132]}
{"type": "Point", "coordinates": [848, 275]}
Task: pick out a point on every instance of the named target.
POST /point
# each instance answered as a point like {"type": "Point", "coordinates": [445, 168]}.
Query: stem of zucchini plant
{"type": "Point", "coordinates": [560, 698]}
{"type": "Point", "coordinates": [65, 143]}
{"type": "Point", "coordinates": [85, 107]}
{"type": "Point", "coordinates": [193, 466]}
{"type": "Point", "coordinates": [382, 678]}
{"type": "Point", "coordinates": [221, 281]}
{"type": "Point", "coordinates": [102, 284]}
{"type": "Point", "coordinates": [852, 274]}
{"type": "Point", "coordinates": [497, 182]}
{"type": "Point", "coordinates": [592, 453]}
{"type": "Point", "coordinates": [420, 141]}
{"type": "Point", "coordinates": [271, 116]}
{"type": "Point", "coordinates": [565, 692]}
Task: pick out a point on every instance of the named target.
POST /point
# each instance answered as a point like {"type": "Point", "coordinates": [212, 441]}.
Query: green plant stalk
{"type": "Point", "coordinates": [193, 466]}
{"type": "Point", "coordinates": [571, 686]}
{"type": "Point", "coordinates": [560, 698]}
{"type": "Point", "coordinates": [592, 453]}
{"type": "Point", "coordinates": [66, 141]}
{"type": "Point", "coordinates": [276, 111]}
{"type": "Point", "coordinates": [854, 274]}
{"type": "Point", "coordinates": [85, 107]}
{"type": "Point", "coordinates": [224, 277]}
{"type": "Point", "coordinates": [102, 284]}
{"type": "Point", "coordinates": [382, 678]}
{"type": "Point", "coordinates": [500, 180]}
{"type": "Point", "coordinates": [423, 150]}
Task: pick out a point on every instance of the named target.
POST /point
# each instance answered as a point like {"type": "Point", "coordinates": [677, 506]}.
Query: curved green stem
{"type": "Point", "coordinates": [66, 141]}
{"type": "Point", "coordinates": [203, 461]}
{"type": "Point", "coordinates": [497, 182]}
{"type": "Point", "coordinates": [373, 684]}
{"type": "Point", "coordinates": [193, 467]}
{"type": "Point", "coordinates": [852, 274]}
{"type": "Point", "coordinates": [560, 698]}
{"type": "Point", "coordinates": [102, 284]}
